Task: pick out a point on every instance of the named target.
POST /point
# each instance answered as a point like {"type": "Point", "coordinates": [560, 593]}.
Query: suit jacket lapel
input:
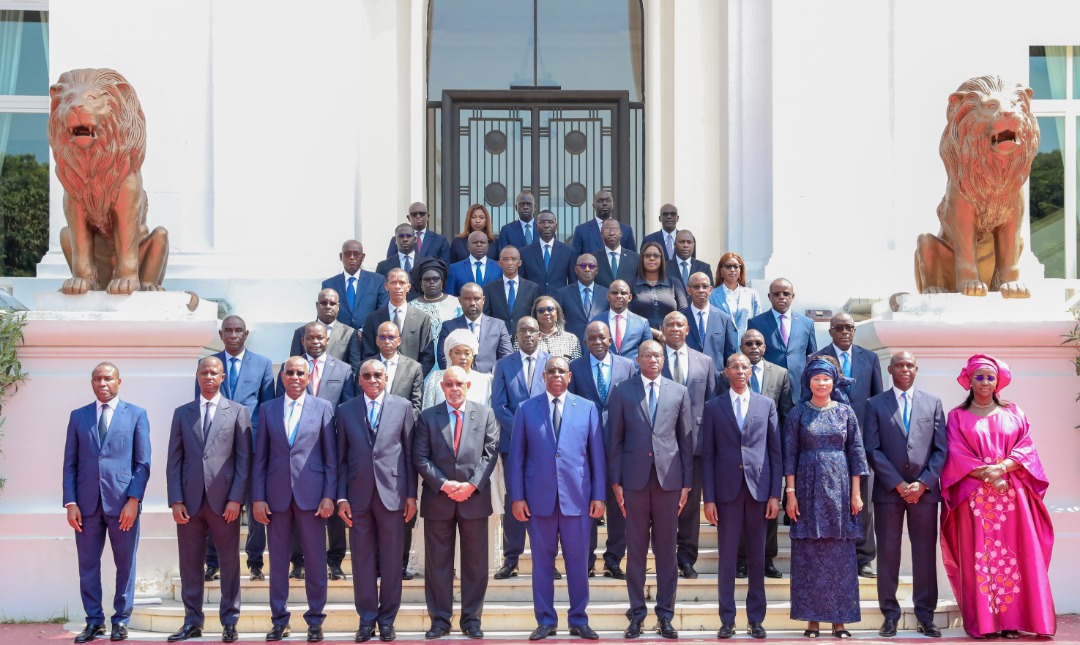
{"type": "Point", "coordinates": [115, 423]}
{"type": "Point", "coordinates": [640, 387]}
{"type": "Point", "coordinates": [729, 410]}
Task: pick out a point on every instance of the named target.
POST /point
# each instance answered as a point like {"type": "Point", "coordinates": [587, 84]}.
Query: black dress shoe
{"type": "Point", "coordinates": [119, 632]}
{"type": "Point", "coordinates": [888, 628]}
{"type": "Point", "coordinates": [756, 630]}
{"type": "Point", "coordinates": [615, 571]}
{"type": "Point", "coordinates": [436, 632]}
{"type": "Point", "coordinates": [584, 631]}
{"type": "Point", "coordinates": [186, 632]}
{"type": "Point", "coordinates": [665, 629]}
{"type": "Point", "coordinates": [473, 631]}
{"type": "Point", "coordinates": [278, 632]}
{"type": "Point", "coordinates": [364, 634]}
{"type": "Point", "coordinates": [772, 572]}
{"type": "Point", "coordinates": [725, 632]}
{"type": "Point", "coordinates": [541, 632]}
{"type": "Point", "coordinates": [687, 571]}
{"type": "Point", "coordinates": [929, 628]}
{"type": "Point", "coordinates": [297, 572]}
{"type": "Point", "coordinates": [387, 633]}
{"type": "Point", "coordinates": [91, 632]}
{"type": "Point", "coordinates": [257, 574]}
{"type": "Point", "coordinates": [866, 571]}
{"type": "Point", "coordinates": [557, 575]}
{"type": "Point", "coordinates": [633, 630]}
{"type": "Point", "coordinates": [506, 572]}
{"type": "Point", "coordinates": [229, 634]}
{"type": "Point", "coordinates": [212, 573]}
{"type": "Point", "coordinates": [406, 574]}
{"type": "Point", "coordinates": [740, 571]}
{"type": "Point", "coordinates": [314, 633]}
{"type": "Point", "coordinates": [336, 573]}
{"type": "Point", "coordinates": [592, 572]}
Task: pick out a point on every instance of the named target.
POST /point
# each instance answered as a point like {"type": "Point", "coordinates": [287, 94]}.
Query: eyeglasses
{"type": "Point", "coordinates": [295, 373]}
{"type": "Point", "coordinates": [753, 343]}
{"type": "Point", "coordinates": [352, 254]}
{"type": "Point", "coordinates": [666, 213]}
{"type": "Point", "coordinates": [843, 327]}
{"type": "Point", "coordinates": [545, 310]}
{"type": "Point", "coordinates": [416, 213]}
{"type": "Point", "coordinates": [556, 372]}
{"type": "Point", "coordinates": [372, 376]}
{"type": "Point", "coordinates": [989, 378]}
{"type": "Point", "coordinates": [586, 266]}
{"type": "Point", "coordinates": [405, 236]}
{"type": "Point", "coordinates": [732, 267]}
{"type": "Point", "coordinates": [327, 303]}
{"type": "Point", "coordinates": [387, 339]}
{"type": "Point", "coordinates": [781, 294]}
{"type": "Point", "coordinates": [652, 256]}
{"type": "Point", "coordinates": [529, 332]}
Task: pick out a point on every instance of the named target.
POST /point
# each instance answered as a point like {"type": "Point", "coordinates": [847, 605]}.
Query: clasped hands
{"type": "Point", "coordinates": [992, 475]}
{"type": "Point", "coordinates": [458, 491]}
{"type": "Point", "coordinates": [911, 493]}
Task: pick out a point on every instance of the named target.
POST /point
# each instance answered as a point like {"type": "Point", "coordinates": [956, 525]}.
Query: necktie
{"type": "Point", "coordinates": [419, 243]}
{"type": "Point", "coordinates": [528, 373]}
{"type": "Point", "coordinates": [587, 304]}
{"type": "Point", "coordinates": [233, 374]}
{"type": "Point", "coordinates": [601, 383]}
{"type": "Point", "coordinates": [670, 246]}
{"type": "Point", "coordinates": [207, 420]}
{"type": "Point", "coordinates": [677, 370]}
{"type": "Point", "coordinates": [556, 418]}
{"type": "Point", "coordinates": [652, 402]}
{"type": "Point", "coordinates": [845, 364]}
{"type": "Point", "coordinates": [511, 297]}
{"type": "Point", "coordinates": [739, 412]}
{"type": "Point", "coordinates": [408, 264]}
{"type": "Point", "coordinates": [907, 413]}
{"type": "Point", "coordinates": [103, 425]}
{"type": "Point", "coordinates": [755, 385]}
{"type": "Point", "coordinates": [701, 327]}
{"type": "Point", "coordinates": [350, 293]}
{"type": "Point", "coordinates": [397, 319]}
{"type": "Point", "coordinates": [547, 257]}
{"type": "Point", "coordinates": [457, 431]}
{"type": "Point", "coordinates": [472, 327]}
{"type": "Point", "coordinates": [373, 416]}
{"type": "Point", "coordinates": [618, 332]}
{"type": "Point", "coordinates": [315, 377]}
{"type": "Point", "coordinates": [528, 233]}
{"type": "Point", "coordinates": [614, 263]}
{"type": "Point", "coordinates": [685, 272]}
{"type": "Point", "coordinates": [479, 274]}
{"type": "Point", "coordinates": [783, 330]}
{"type": "Point", "coordinates": [294, 421]}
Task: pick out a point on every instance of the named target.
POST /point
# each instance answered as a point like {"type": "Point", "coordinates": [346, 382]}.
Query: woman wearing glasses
{"type": "Point", "coordinates": [732, 295]}
{"type": "Point", "coordinates": [460, 349]}
{"type": "Point", "coordinates": [655, 294]}
{"type": "Point", "coordinates": [996, 535]}
{"type": "Point", "coordinates": [554, 339]}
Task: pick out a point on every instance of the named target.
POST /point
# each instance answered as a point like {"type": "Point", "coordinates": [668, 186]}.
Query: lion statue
{"type": "Point", "coordinates": [97, 133]}
{"type": "Point", "coordinates": [988, 146]}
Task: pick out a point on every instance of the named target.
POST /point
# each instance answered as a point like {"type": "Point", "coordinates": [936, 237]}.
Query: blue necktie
{"type": "Point", "coordinates": [293, 422]}
{"type": "Point", "coordinates": [754, 384]}
{"type": "Point", "coordinates": [547, 257]}
{"type": "Point", "coordinates": [528, 233]}
{"type": "Point", "coordinates": [207, 420]}
{"type": "Point", "coordinates": [845, 364]}
{"type": "Point", "coordinates": [373, 415]}
{"type": "Point", "coordinates": [701, 328]}
{"type": "Point", "coordinates": [601, 383]}
{"type": "Point", "coordinates": [511, 298]}
{"type": "Point", "coordinates": [907, 413]}
{"type": "Point", "coordinates": [350, 293]}
{"type": "Point", "coordinates": [614, 263]}
{"type": "Point", "coordinates": [685, 272]}
{"type": "Point", "coordinates": [233, 374]}
{"type": "Point", "coordinates": [652, 403]}
{"type": "Point", "coordinates": [102, 425]}
{"type": "Point", "coordinates": [588, 301]}
{"type": "Point", "coordinates": [408, 265]}
{"type": "Point", "coordinates": [479, 276]}
{"type": "Point", "coordinates": [739, 412]}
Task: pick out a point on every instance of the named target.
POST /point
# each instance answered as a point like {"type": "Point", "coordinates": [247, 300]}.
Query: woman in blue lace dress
{"type": "Point", "coordinates": [823, 461]}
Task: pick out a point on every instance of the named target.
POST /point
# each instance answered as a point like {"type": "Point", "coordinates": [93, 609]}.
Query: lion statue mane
{"type": "Point", "coordinates": [988, 146]}
{"type": "Point", "coordinates": [97, 133]}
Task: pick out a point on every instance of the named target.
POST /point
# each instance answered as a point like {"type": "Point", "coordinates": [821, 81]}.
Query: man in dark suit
{"type": "Point", "coordinates": [697, 373]}
{"type": "Point", "coordinates": [517, 377]}
{"type": "Point", "coordinates": [249, 381]}
{"type": "Point", "coordinates": [587, 234]}
{"type": "Point", "coordinates": [106, 467]}
{"type": "Point", "coordinates": [405, 258]}
{"type": "Point", "coordinates": [547, 261]}
{"type": "Point", "coordinates": [685, 264]}
{"type": "Point", "coordinates": [614, 260]}
{"type": "Point", "coordinates": [478, 267]}
{"type": "Point", "coordinates": [342, 341]}
{"type": "Point", "coordinates": [490, 332]}
{"type": "Point", "coordinates": [520, 232]}
{"type": "Point", "coordinates": [208, 469]}
{"type": "Point", "coordinates": [511, 297]}
{"type": "Point", "coordinates": [628, 330]}
{"type": "Point", "coordinates": [414, 326]}
{"type": "Point", "coordinates": [743, 471]}
{"type": "Point", "coordinates": [582, 299]}
{"type": "Point", "coordinates": [294, 484]}
{"type": "Point", "coordinates": [651, 466]}
{"type": "Point", "coordinates": [594, 376]}
{"type": "Point", "coordinates": [557, 482]}
{"type": "Point", "coordinates": [789, 337]}
{"type": "Point", "coordinates": [454, 446]}
{"type": "Point", "coordinates": [712, 331]}
{"type": "Point", "coordinates": [906, 448]}
{"type": "Point", "coordinates": [863, 367]}
{"type": "Point", "coordinates": [361, 291]}
{"type": "Point", "coordinates": [665, 237]}
{"type": "Point", "coordinates": [403, 375]}
{"type": "Point", "coordinates": [376, 495]}
{"type": "Point", "coordinates": [428, 244]}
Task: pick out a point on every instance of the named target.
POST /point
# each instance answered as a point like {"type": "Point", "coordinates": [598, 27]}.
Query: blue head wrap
{"type": "Point", "coordinates": [820, 365]}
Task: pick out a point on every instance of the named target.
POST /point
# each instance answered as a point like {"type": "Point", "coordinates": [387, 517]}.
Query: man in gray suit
{"type": "Point", "coordinates": [414, 326]}
{"type": "Point", "coordinates": [342, 341]}
{"type": "Point", "coordinates": [651, 467]}
{"type": "Point", "coordinates": [207, 472]}
{"type": "Point", "coordinates": [403, 374]}
{"type": "Point", "coordinates": [454, 450]}
{"type": "Point", "coordinates": [376, 494]}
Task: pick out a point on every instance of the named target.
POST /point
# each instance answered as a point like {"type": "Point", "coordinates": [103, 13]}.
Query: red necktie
{"type": "Point", "coordinates": [419, 243]}
{"type": "Point", "coordinates": [457, 431]}
{"type": "Point", "coordinates": [618, 332]}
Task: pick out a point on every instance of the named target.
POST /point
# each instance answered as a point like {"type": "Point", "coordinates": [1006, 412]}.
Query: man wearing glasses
{"type": "Point", "coordinates": [789, 337]}
{"type": "Point", "coordinates": [428, 244]}
{"type": "Point", "coordinates": [584, 299]}
{"type": "Point", "coordinates": [359, 292]}
{"type": "Point", "coordinates": [666, 236]}
{"type": "Point", "coordinates": [342, 341]}
{"type": "Point", "coordinates": [405, 258]}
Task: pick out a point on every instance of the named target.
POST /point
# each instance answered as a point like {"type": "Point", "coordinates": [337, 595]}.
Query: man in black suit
{"type": "Point", "coordinates": [522, 231]}
{"type": "Point", "coordinates": [587, 234]}
{"type": "Point", "coordinates": [376, 495]}
{"type": "Point", "coordinates": [697, 373]}
{"type": "Point", "coordinates": [428, 243]}
{"type": "Point", "coordinates": [414, 326]}
{"type": "Point", "coordinates": [583, 299]}
{"type": "Point", "coordinates": [511, 297]}
{"type": "Point", "coordinates": [685, 264]}
{"type": "Point", "coordinates": [454, 450]}
{"type": "Point", "coordinates": [490, 332]}
{"type": "Point", "coordinates": [906, 447]}
{"type": "Point", "coordinates": [665, 237]}
{"type": "Point", "coordinates": [404, 376]}
{"type": "Point", "coordinates": [405, 258]}
{"type": "Point", "coordinates": [342, 341]}
{"type": "Point", "coordinates": [616, 262]}
{"type": "Point", "coordinates": [547, 261]}
{"type": "Point", "coordinates": [360, 291]}
{"type": "Point", "coordinates": [209, 463]}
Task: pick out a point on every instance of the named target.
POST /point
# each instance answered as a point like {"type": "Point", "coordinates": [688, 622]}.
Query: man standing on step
{"type": "Point", "coordinates": [651, 466]}
{"type": "Point", "coordinates": [208, 469]}
{"type": "Point", "coordinates": [557, 481]}
{"type": "Point", "coordinates": [742, 462]}
{"type": "Point", "coordinates": [106, 467]}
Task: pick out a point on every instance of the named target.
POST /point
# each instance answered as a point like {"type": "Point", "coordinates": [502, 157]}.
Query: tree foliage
{"type": "Point", "coordinates": [24, 214]}
{"type": "Point", "coordinates": [1047, 185]}
{"type": "Point", "coordinates": [11, 372]}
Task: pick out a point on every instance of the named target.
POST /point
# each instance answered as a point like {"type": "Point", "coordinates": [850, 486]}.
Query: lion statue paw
{"type": "Point", "coordinates": [76, 286]}
{"type": "Point", "coordinates": [1014, 289]}
{"type": "Point", "coordinates": [973, 288]}
{"type": "Point", "coordinates": [123, 286]}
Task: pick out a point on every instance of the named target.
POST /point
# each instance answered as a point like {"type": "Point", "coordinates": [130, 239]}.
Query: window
{"type": "Point", "coordinates": [24, 149]}
{"type": "Point", "coordinates": [1052, 207]}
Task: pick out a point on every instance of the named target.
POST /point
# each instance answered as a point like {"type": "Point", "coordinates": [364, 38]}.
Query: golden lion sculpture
{"type": "Point", "coordinates": [97, 133]}
{"type": "Point", "coordinates": [988, 146]}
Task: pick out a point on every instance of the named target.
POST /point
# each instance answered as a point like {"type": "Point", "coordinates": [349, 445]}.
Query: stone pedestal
{"type": "Point", "coordinates": [155, 340]}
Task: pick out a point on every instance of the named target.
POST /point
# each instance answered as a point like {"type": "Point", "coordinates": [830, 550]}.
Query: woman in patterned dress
{"type": "Point", "coordinates": [430, 273]}
{"type": "Point", "coordinates": [996, 535]}
{"type": "Point", "coordinates": [554, 339]}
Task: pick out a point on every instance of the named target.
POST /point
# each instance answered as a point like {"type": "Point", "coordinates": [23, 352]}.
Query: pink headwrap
{"type": "Point", "coordinates": [983, 361]}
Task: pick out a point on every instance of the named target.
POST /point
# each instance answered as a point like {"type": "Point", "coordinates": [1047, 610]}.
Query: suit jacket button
{"type": "Point", "coordinates": [557, 455]}
{"type": "Point", "coordinates": [740, 467]}
{"type": "Point", "coordinates": [100, 458]}
{"type": "Point", "coordinates": [650, 454]}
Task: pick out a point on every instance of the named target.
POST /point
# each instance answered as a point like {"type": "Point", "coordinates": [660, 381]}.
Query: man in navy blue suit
{"type": "Point", "coordinates": [428, 243]}
{"type": "Point", "coordinates": [743, 468]}
{"type": "Point", "coordinates": [665, 237]}
{"type": "Point", "coordinates": [548, 262]}
{"type": "Point", "coordinates": [587, 234]}
{"type": "Point", "coordinates": [359, 292]}
{"type": "Point", "coordinates": [614, 260]}
{"type": "Point", "coordinates": [511, 297]}
{"type": "Point", "coordinates": [712, 331]}
{"type": "Point", "coordinates": [405, 258]}
{"type": "Point", "coordinates": [685, 264]}
{"type": "Point", "coordinates": [490, 332]}
{"type": "Point", "coordinates": [106, 467]}
{"type": "Point", "coordinates": [557, 483]}
{"type": "Point", "coordinates": [628, 330]}
{"type": "Point", "coordinates": [522, 231]}
{"type": "Point", "coordinates": [582, 293]}
{"type": "Point", "coordinates": [789, 337]}
{"type": "Point", "coordinates": [478, 267]}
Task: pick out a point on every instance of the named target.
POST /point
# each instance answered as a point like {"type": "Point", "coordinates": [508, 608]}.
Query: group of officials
{"type": "Point", "coordinates": [636, 432]}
